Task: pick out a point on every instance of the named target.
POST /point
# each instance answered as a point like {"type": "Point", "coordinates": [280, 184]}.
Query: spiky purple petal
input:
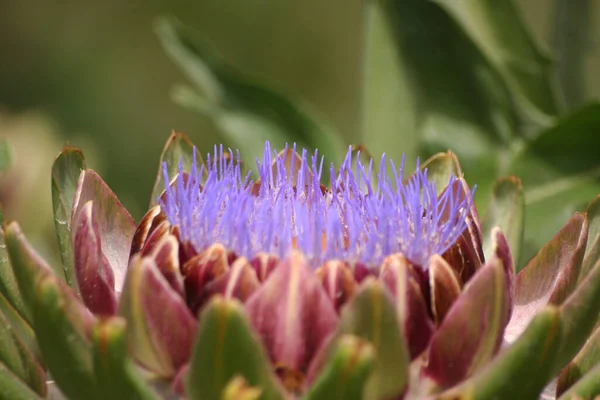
{"type": "Point", "coordinates": [355, 221]}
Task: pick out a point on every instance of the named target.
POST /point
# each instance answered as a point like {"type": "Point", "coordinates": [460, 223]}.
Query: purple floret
{"type": "Point", "coordinates": [356, 221]}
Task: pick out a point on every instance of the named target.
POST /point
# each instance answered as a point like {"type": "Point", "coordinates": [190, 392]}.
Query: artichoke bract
{"type": "Point", "coordinates": [378, 285]}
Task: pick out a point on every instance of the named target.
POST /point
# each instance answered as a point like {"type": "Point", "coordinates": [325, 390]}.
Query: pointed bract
{"type": "Point", "coordinates": [115, 225]}
{"type": "Point", "coordinates": [347, 371]}
{"type": "Point", "coordinates": [94, 275]}
{"type": "Point", "coordinates": [445, 287]}
{"type": "Point", "coordinates": [178, 148]}
{"type": "Point", "coordinates": [371, 315]}
{"type": "Point", "coordinates": [466, 255]}
{"type": "Point", "coordinates": [402, 281]}
{"type": "Point", "coordinates": [227, 347]}
{"type": "Point", "coordinates": [160, 326]}
{"type": "Point", "coordinates": [147, 225]}
{"type": "Point", "coordinates": [166, 256]}
{"type": "Point", "coordinates": [473, 328]}
{"type": "Point", "coordinates": [264, 264]}
{"type": "Point", "coordinates": [239, 282]}
{"type": "Point", "coordinates": [338, 282]}
{"type": "Point", "coordinates": [201, 270]}
{"type": "Point", "coordinates": [507, 212]}
{"type": "Point", "coordinates": [293, 316]}
{"type": "Point", "coordinates": [66, 170]}
{"type": "Point", "coordinates": [550, 276]}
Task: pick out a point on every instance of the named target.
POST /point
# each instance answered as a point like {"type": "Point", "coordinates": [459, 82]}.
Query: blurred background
{"type": "Point", "coordinates": [95, 74]}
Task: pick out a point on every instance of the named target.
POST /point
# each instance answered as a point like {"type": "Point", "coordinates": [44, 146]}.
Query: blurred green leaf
{"type": "Point", "coordinates": [16, 357]}
{"type": "Point", "coordinates": [63, 328]}
{"type": "Point", "coordinates": [247, 111]}
{"type": "Point", "coordinates": [388, 111]}
{"type": "Point", "coordinates": [21, 328]}
{"type": "Point", "coordinates": [178, 148]}
{"type": "Point", "coordinates": [12, 388]}
{"type": "Point", "coordinates": [346, 373]}
{"type": "Point", "coordinates": [224, 335]}
{"type": "Point", "coordinates": [583, 362]}
{"type": "Point", "coordinates": [9, 288]}
{"type": "Point", "coordinates": [560, 171]}
{"type": "Point", "coordinates": [507, 211]}
{"type": "Point", "coordinates": [117, 377]}
{"type": "Point", "coordinates": [587, 387]}
{"type": "Point", "coordinates": [28, 267]}
{"type": "Point", "coordinates": [497, 29]}
{"type": "Point", "coordinates": [5, 156]}
{"type": "Point", "coordinates": [65, 173]}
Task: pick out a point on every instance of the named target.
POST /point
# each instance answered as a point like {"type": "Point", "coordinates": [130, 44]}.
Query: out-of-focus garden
{"type": "Point", "coordinates": [509, 86]}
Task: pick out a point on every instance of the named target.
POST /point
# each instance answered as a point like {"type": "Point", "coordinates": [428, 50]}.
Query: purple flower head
{"type": "Point", "coordinates": [357, 220]}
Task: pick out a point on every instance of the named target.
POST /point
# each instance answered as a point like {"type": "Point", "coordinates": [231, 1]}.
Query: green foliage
{"type": "Point", "coordinates": [465, 76]}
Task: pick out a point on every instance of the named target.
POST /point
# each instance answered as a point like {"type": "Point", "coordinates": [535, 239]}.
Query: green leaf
{"type": "Point", "coordinates": [22, 329]}
{"type": "Point", "coordinates": [528, 361]}
{"type": "Point", "coordinates": [18, 359]}
{"type": "Point", "coordinates": [371, 315]}
{"type": "Point", "coordinates": [28, 267]}
{"type": "Point", "coordinates": [224, 336]}
{"type": "Point", "coordinates": [117, 377]}
{"type": "Point", "coordinates": [247, 111]}
{"type": "Point", "coordinates": [12, 388]}
{"type": "Point", "coordinates": [346, 373]}
{"type": "Point", "coordinates": [65, 173]}
{"type": "Point", "coordinates": [63, 327]}
{"type": "Point", "coordinates": [497, 29]}
{"type": "Point", "coordinates": [178, 148]}
{"type": "Point", "coordinates": [586, 388]}
{"type": "Point", "coordinates": [583, 362]}
{"type": "Point", "coordinates": [9, 287]}
{"type": "Point", "coordinates": [560, 171]}
{"type": "Point", "coordinates": [507, 211]}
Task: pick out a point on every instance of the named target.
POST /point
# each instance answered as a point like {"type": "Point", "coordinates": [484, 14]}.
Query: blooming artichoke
{"type": "Point", "coordinates": [377, 286]}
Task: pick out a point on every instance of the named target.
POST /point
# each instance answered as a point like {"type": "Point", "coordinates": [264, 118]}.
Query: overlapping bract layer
{"type": "Point", "coordinates": [355, 220]}
{"type": "Point", "coordinates": [213, 323]}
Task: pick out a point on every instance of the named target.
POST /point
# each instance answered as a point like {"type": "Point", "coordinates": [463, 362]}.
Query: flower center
{"type": "Point", "coordinates": [357, 220]}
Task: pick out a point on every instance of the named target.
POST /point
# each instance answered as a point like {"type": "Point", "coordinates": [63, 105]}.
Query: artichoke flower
{"type": "Point", "coordinates": [377, 286]}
